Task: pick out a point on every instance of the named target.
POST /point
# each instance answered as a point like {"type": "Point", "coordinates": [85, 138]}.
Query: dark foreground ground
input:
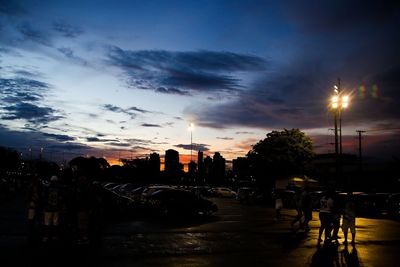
{"type": "Point", "coordinates": [238, 235]}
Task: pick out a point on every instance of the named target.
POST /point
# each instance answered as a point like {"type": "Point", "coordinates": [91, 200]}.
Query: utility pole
{"type": "Point", "coordinates": [339, 110]}
{"type": "Point", "coordinates": [360, 132]}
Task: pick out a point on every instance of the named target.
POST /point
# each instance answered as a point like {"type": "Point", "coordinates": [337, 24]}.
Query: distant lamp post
{"type": "Point", "coordinates": [191, 128]}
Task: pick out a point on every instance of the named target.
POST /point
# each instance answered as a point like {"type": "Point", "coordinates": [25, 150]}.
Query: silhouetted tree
{"type": "Point", "coordinates": [280, 154]}
{"type": "Point", "coordinates": [9, 160]}
{"type": "Point", "coordinates": [91, 167]}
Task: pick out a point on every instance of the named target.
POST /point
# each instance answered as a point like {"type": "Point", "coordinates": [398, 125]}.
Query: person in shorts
{"type": "Point", "coordinates": [325, 216]}
{"type": "Point", "coordinates": [306, 207]}
{"type": "Point", "coordinates": [349, 218]}
{"type": "Point", "coordinates": [52, 206]}
{"type": "Point", "coordinates": [34, 194]}
{"type": "Point", "coordinates": [297, 201]}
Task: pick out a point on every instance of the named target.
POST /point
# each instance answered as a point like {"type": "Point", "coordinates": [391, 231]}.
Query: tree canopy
{"type": "Point", "coordinates": [283, 153]}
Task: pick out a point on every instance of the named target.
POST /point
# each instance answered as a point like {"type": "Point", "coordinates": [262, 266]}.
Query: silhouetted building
{"type": "Point", "coordinates": [154, 165]}
{"type": "Point", "coordinates": [192, 171]}
{"type": "Point", "coordinates": [218, 168]}
{"type": "Point", "coordinates": [241, 168]}
{"type": "Point", "coordinates": [200, 167]}
{"type": "Point", "coordinates": [207, 169]}
{"type": "Point", "coordinates": [172, 165]}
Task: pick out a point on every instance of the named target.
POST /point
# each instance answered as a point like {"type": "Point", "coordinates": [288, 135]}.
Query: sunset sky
{"type": "Point", "coordinates": [125, 78]}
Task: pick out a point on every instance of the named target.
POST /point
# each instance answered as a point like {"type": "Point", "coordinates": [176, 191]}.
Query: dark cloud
{"type": "Point", "coordinates": [119, 144]}
{"type": "Point", "coordinates": [29, 33]}
{"type": "Point", "coordinates": [96, 139]}
{"type": "Point", "coordinates": [30, 112]}
{"type": "Point", "coordinates": [59, 137]}
{"type": "Point", "coordinates": [136, 141]}
{"type": "Point", "coordinates": [172, 91]}
{"type": "Point", "coordinates": [195, 147]}
{"type": "Point", "coordinates": [244, 132]}
{"type": "Point", "coordinates": [138, 110]}
{"type": "Point", "coordinates": [69, 53]}
{"type": "Point", "coordinates": [66, 52]}
{"type": "Point", "coordinates": [16, 85]}
{"type": "Point", "coordinates": [93, 139]}
{"type": "Point", "coordinates": [26, 73]}
{"type": "Point", "coordinates": [21, 100]}
{"type": "Point", "coordinates": [182, 72]}
{"type": "Point", "coordinates": [21, 96]}
{"type": "Point", "coordinates": [296, 94]}
{"type": "Point", "coordinates": [151, 125]}
{"type": "Point", "coordinates": [225, 138]}
{"type": "Point", "coordinates": [70, 146]}
{"type": "Point", "coordinates": [67, 30]}
{"type": "Point", "coordinates": [131, 111]}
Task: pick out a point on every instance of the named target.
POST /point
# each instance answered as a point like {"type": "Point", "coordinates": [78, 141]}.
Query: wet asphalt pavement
{"type": "Point", "coordinates": [238, 235]}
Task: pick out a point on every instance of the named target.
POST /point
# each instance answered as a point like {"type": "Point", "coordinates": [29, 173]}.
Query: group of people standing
{"type": "Point", "coordinates": [330, 214]}
{"type": "Point", "coordinates": [333, 214]}
{"type": "Point", "coordinates": [59, 208]}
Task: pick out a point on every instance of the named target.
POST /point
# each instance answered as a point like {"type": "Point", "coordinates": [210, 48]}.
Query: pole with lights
{"type": "Point", "coordinates": [339, 102]}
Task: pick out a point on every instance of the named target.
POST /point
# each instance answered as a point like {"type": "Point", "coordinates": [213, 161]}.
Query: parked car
{"type": "Point", "coordinates": [179, 202]}
{"type": "Point", "coordinates": [124, 189]}
{"type": "Point", "coordinates": [249, 195]}
{"type": "Point", "coordinates": [110, 186]}
{"type": "Point", "coordinates": [203, 191]}
{"type": "Point", "coordinates": [222, 192]}
{"type": "Point", "coordinates": [149, 190]}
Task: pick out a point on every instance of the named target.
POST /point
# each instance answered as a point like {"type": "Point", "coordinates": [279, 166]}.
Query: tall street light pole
{"type": "Point", "coordinates": [338, 103]}
{"type": "Point", "coordinates": [191, 127]}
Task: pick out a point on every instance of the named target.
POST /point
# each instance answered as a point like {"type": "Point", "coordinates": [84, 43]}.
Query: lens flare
{"type": "Point", "coordinates": [362, 91]}
{"type": "Point", "coordinates": [375, 91]}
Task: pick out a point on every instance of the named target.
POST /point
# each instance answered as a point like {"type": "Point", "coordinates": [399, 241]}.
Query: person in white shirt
{"type": "Point", "coordinates": [325, 216]}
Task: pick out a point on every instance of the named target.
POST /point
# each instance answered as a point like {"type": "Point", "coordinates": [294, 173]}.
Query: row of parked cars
{"type": "Point", "coordinates": [191, 200]}
{"type": "Point", "coordinates": [165, 200]}
{"type": "Point", "coordinates": [367, 204]}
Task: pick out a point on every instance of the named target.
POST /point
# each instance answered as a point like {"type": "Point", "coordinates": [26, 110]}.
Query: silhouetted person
{"type": "Point", "coordinates": [306, 207]}
{"type": "Point", "coordinates": [336, 215]}
{"type": "Point", "coordinates": [325, 216]}
{"type": "Point", "coordinates": [68, 209]}
{"type": "Point", "coordinates": [96, 215]}
{"type": "Point", "coordinates": [52, 205]}
{"type": "Point", "coordinates": [299, 213]}
{"type": "Point", "coordinates": [349, 218]}
{"type": "Point", "coordinates": [83, 200]}
{"type": "Point", "coordinates": [278, 205]}
{"type": "Point", "coordinates": [34, 201]}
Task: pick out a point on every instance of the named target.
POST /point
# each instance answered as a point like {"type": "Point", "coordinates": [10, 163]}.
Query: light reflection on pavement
{"type": "Point", "coordinates": [242, 235]}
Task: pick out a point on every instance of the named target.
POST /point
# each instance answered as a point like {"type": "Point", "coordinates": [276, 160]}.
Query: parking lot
{"type": "Point", "coordinates": [242, 235]}
{"type": "Point", "coordinates": [237, 235]}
